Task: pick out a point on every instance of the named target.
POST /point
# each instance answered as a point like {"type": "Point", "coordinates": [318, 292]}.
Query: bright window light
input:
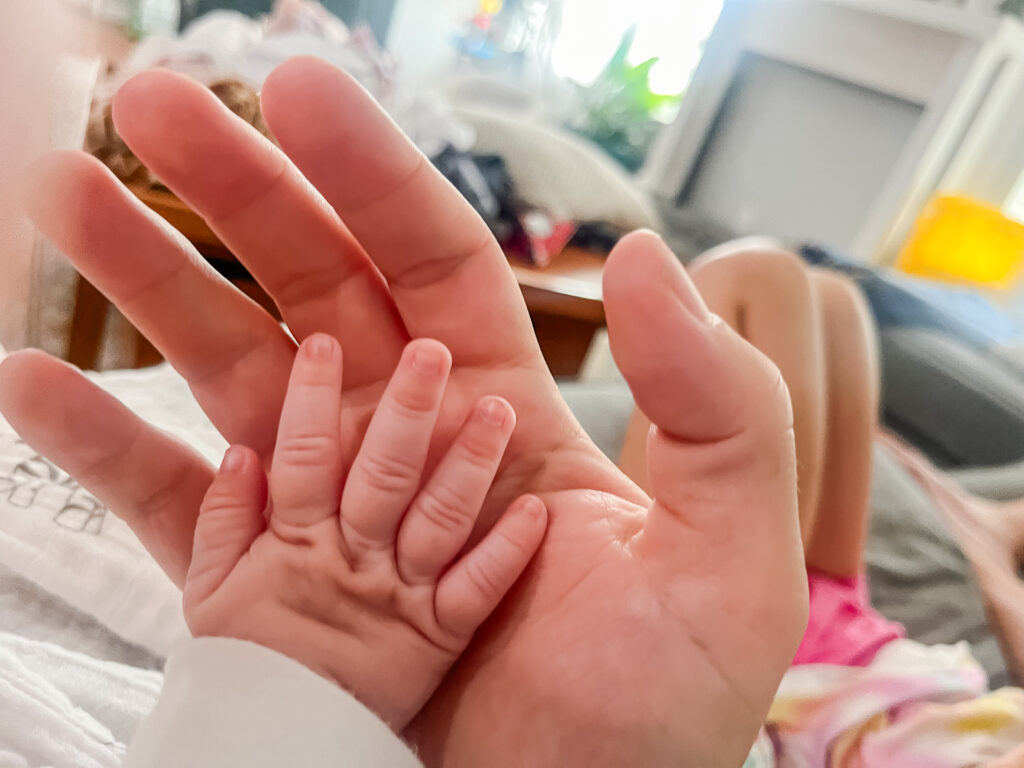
{"type": "Point", "coordinates": [670, 29]}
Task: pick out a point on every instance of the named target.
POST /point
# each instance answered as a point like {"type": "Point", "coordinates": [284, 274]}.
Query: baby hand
{"type": "Point", "coordinates": [359, 577]}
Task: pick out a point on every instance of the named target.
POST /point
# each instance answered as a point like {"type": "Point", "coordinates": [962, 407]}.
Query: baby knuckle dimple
{"type": "Point", "coordinates": [222, 499]}
{"type": "Point", "coordinates": [305, 450]}
{"type": "Point", "coordinates": [388, 473]}
{"type": "Point", "coordinates": [515, 542]}
{"type": "Point", "coordinates": [478, 452]}
{"type": "Point", "coordinates": [444, 508]}
{"type": "Point", "coordinates": [483, 572]}
{"type": "Point", "coordinates": [412, 403]}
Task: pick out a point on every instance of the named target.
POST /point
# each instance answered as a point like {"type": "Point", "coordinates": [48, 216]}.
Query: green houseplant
{"type": "Point", "coordinates": [618, 110]}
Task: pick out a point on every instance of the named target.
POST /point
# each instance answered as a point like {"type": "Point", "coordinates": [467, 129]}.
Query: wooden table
{"type": "Point", "coordinates": [564, 298]}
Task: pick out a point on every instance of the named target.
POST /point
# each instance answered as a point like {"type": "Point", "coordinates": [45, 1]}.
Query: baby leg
{"type": "Point", "coordinates": [765, 293]}
{"type": "Point", "coordinates": [852, 385]}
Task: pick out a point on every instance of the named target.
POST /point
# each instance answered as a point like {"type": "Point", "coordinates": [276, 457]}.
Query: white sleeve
{"type": "Point", "coordinates": [228, 703]}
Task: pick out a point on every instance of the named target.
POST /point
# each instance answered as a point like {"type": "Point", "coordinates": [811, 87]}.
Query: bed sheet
{"type": "Point", "coordinates": [64, 556]}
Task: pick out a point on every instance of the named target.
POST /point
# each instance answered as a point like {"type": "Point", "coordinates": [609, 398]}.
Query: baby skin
{"type": "Point", "coordinates": [360, 572]}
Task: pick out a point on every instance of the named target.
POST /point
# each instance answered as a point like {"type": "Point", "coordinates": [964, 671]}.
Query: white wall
{"type": "Point", "coordinates": [799, 156]}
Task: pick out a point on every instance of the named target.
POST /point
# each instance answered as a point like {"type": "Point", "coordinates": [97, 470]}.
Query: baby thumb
{"type": "Point", "coordinates": [230, 519]}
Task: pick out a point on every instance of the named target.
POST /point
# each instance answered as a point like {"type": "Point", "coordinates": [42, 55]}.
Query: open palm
{"type": "Point", "coordinates": [645, 632]}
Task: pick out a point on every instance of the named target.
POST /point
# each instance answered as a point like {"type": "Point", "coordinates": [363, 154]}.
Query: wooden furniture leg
{"type": "Point", "coordinates": [87, 323]}
{"type": "Point", "coordinates": [564, 341]}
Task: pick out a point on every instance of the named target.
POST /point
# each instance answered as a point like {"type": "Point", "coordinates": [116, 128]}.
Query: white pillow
{"type": "Point", "coordinates": [560, 172]}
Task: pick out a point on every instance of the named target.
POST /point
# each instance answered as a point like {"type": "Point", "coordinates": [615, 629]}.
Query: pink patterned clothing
{"type": "Point", "coordinates": [860, 696]}
{"type": "Point", "coordinates": [842, 628]}
{"type": "Point", "coordinates": [912, 706]}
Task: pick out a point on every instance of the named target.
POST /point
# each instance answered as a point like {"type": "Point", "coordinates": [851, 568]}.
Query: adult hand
{"type": "Point", "coordinates": [646, 632]}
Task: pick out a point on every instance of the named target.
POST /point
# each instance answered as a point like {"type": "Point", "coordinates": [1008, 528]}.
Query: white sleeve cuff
{"type": "Point", "coordinates": [228, 703]}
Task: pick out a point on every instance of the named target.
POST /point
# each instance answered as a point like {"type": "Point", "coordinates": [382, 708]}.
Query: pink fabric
{"type": "Point", "coordinates": [843, 629]}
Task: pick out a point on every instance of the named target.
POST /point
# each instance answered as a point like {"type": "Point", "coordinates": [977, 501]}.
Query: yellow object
{"type": "Point", "coordinates": [960, 240]}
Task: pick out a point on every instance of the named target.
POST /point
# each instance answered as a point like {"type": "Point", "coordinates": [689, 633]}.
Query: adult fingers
{"type": "Point", "coordinates": [266, 213]}
{"type": "Point", "coordinates": [425, 238]}
{"type": "Point", "coordinates": [722, 468]}
{"type": "Point", "coordinates": [698, 382]}
{"type": "Point", "coordinates": [721, 458]}
{"type": "Point", "coordinates": [147, 478]}
{"type": "Point", "coordinates": [234, 355]}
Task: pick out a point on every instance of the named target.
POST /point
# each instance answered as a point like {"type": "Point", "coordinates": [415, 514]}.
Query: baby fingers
{"type": "Point", "coordinates": [230, 519]}
{"type": "Point", "coordinates": [388, 468]}
{"type": "Point", "coordinates": [443, 514]}
{"type": "Point", "coordinates": [305, 481]}
{"type": "Point", "coordinates": [472, 589]}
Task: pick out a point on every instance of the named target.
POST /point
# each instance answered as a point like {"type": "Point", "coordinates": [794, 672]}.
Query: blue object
{"type": "Point", "coordinates": [898, 300]}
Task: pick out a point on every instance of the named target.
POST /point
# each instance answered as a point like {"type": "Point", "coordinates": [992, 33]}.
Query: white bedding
{"type": "Point", "coordinates": [28, 611]}
{"type": "Point", "coordinates": [86, 616]}
{"type": "Point", "coordinates": [70, 572]}
{"type": "Point", "coordinates": [65, 709]}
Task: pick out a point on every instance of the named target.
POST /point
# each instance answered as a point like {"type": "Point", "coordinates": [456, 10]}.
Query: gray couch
{"type": "Point", "coordinates": [962, 405]}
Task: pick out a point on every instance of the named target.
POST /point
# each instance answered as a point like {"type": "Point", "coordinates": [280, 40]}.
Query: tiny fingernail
{"type": "Point", "coordinates": [234, 460]}
{"type": "Point", "coordinates": [320, 346]}
{"type": "Point", "coordinates": [493, 411]}
{"type": "Point", "coordinates": [427, 362]}
{"type": "Point", "coordinates": [533, 507]}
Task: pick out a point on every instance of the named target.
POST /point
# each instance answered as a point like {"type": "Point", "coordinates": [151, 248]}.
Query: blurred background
{"type": "Point", "coordinates": [884, 137]}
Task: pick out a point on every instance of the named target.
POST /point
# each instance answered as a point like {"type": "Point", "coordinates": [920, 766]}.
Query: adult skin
{"type": "Point", "coordinates": [648, 631]}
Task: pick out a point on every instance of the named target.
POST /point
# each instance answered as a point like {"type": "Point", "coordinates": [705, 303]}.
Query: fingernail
{"type": "Point", "coordinates": [427, 361]}
{"type": "Point", "coordinates": [493, 411]}
{"type": "Point", "coordinates": [533, 507]}
{"type": "Point", "coordinates": [234, 460]}
{"type": "Point", "coordinates": [319, 346]}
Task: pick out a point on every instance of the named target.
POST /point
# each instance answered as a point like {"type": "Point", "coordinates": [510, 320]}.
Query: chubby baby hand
{"type": "Point", "coordinates": [356, 571]}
